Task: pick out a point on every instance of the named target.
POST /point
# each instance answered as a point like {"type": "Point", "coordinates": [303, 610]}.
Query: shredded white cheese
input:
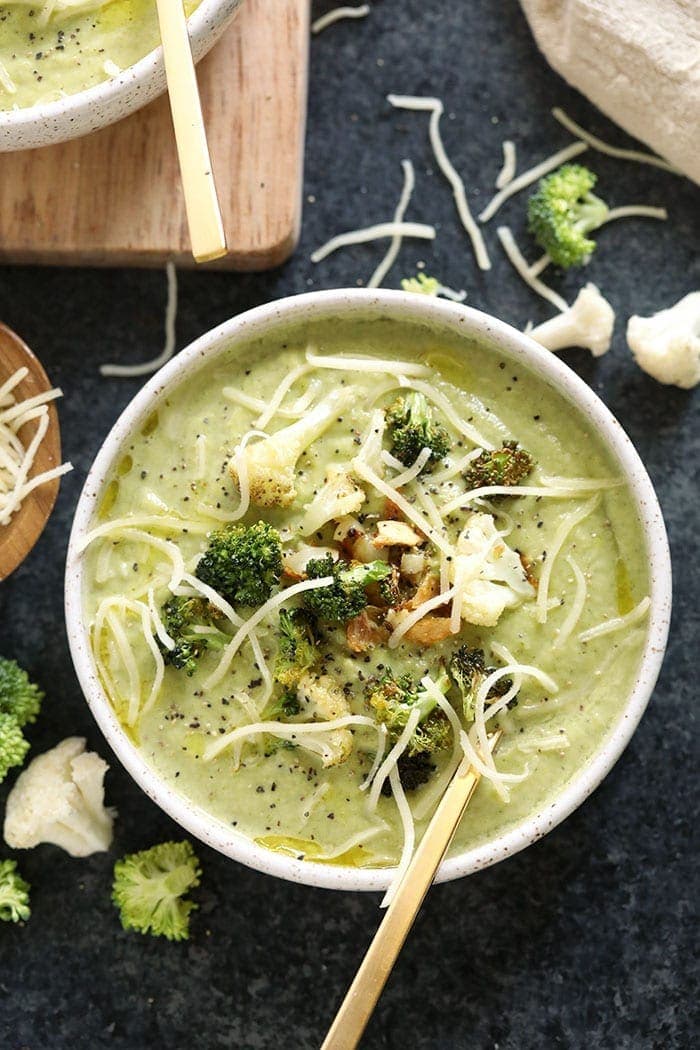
{"type": "Point", "coordinates": [374, 233]}
{"type": "Point", "coordinates": [530, 176]}
{"type": "Point", "coordinates": [577, 604]}
{"type": "Point", "coordinates": [367, 364]}
{"type": "Point", "coordinates": [337, 14]}
{"type": "Point", "coordinates": [520, 265]}
{"type": "Point", "coordinates": [435, 107]}
{"type": "Point", "coordinates": [618, 623]}
{"type": "Point", "coordinates": [409, 181]}
{"type": "Point", "coordinates": [6, 81]}
{"type": "Point", "coordinates": [507, 172]}
{"type": "Point", "coordinates": [286, 730]}
{"type": "Point", "coordinates": [409, 836]}
{"type": "Point", "coordinates": [129, 371]}
{"type": "Point", "coordinates": [605, 147]}
{"type": "Point", "coordinates": [16, 458]}
{"type": "Point", "coordinates": [564, 529]}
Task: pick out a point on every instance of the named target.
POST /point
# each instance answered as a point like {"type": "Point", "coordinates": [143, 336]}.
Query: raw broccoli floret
{"type": "Point", "coordinates": [13, 746]}
{"type": "Point", "coordinates": [468, 670]}
{"type": "Point", "coordinates": [562, 211]}
{"type": "Point", "coordinates": [18, 696]}
{"type": "Point", "coordinates": [180, 615]}
{"type": "Point", "coordinates": [502, 466]}
{"type": "Point", "coordinates": [149, 886]}
{"type": "Point", "coordinates": [345, 597]}
{"type": "Point", "coordinates": [14, 893]}
{"type": "Point", "coordinates": [297, 648]}
{"type": "Point", "coordinates": [243, 563]}
{"type": "Point", "coordinates": [412, 427]}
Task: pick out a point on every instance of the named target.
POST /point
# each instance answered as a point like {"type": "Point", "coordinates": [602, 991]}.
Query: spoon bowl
{"type": "Point", "coordinates": [26, 526]}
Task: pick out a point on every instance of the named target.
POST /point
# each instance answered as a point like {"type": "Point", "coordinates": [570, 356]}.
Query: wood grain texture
{"type": "Point", "coordinates": [27, 525]}
{"type": "Point", "coordinates": [114, 198]}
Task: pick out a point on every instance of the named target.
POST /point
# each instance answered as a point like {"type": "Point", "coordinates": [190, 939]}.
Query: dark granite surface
{"type": "Point", "coordinates": [587, 939]}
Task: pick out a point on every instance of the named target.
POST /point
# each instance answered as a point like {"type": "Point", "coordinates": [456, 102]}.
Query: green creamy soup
{"type": "Point", "coordinates": [529, 572]}
{"type": "Point", "coordinates": [49, 50]}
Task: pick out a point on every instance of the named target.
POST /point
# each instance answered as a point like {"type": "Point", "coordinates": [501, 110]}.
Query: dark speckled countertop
{"type": "Point", "coordinates": [588, 939]}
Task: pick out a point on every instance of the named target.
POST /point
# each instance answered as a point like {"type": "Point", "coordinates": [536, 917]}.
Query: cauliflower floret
{"type": "Point", "coordinates": [338, 496]}
{"type": "Point", "coordinates": [59, 798]}
{"type": "Point", "coordinates": [667, 345]}
{"type": "Point", "coordinates": [321, 700]}
{"type": "Point", "coordinates": [269, 466]}
{"type": "Point", "coordinates": [491, 575]}
{"type": "Point", "coordinates": [588, 323]}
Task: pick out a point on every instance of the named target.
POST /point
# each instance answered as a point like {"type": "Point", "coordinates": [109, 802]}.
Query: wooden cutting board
{"type": "Point", "coordinates": [114, 199]}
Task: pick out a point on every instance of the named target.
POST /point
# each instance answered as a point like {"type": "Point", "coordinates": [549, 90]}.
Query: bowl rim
{"type": "Point", "coordinates": [419, 310]}
{"type": "Point", "coordinates": [104, 94]}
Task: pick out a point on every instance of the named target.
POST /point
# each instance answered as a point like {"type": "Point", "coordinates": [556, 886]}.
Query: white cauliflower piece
{"type": "Point", "coordinates": [338, 496]}
{"type": "Point", "coordinates": [667, 345]}
{"type": "Point", "coordinates": [588, 323]}
{"type": "Point", "coordinates": [321, 700]}
{"type": "Point", "coordinates": [489, 573]}
{"type": "Point", "coordinates": [59, 798]}
{"type": "Point", "coordinates": [268, 467]}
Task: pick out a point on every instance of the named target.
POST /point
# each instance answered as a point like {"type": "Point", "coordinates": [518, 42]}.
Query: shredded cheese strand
{"type": "Point", "coordinates": [507, 172]}
{"type": "Point", "coordinates": [436, 109]}
{"type": "Point", "coordinates": [530, 176]}
{"type": "Point", "coordinates": [634, 211]}
{"type": "Point", "coordinates": [577, 605]}
{"type": "Point", "coordinates": [277, 398]}
{"type": "Point", "coordinates": [618, 623]}
{"type": "Point", "coordinates": [389, 763]}
{"type": "Point", "coordinates": [367, 474]}
{"type": "Point", "coordinates": [521, 267]}
{"type": "Point", "coordinates": [612, 151]}
{"type": "Point", "coordinates": [438, 398]}
{"type": "Point", "coordinates": [409, 837]}
{"type": "Point", "coordinates": [142, 521]}
{"type": "Point", "coordinates": [130, 371]}
{"type": "Point", "coordinates": [287, 730]}
{"type": "Point", "coordinates": [366, 364]}
{"type": "Point", "coordinates": [459, 502]}
{"type": "Point", "coordinates": [409, 182]}
{"type": "Point", "coordinates": [410, 473]}
{"type": "Point", "coordinates": [378, 758]}
{"type": "Point", "coordinates": [374, 233]}
{"type": "Point", "coordinates": [417, 614]}
{"type": "Point", "coordinates": [264, 610]}
{"type": "Point", "coordinates": [337, 14]}
{"type": "Point", "coordinates": [563, 531]}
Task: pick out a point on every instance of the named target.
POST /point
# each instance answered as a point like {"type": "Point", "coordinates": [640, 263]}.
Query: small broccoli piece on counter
{"type": "Point", "coordinates": [269, 465]}
{"type": "Point", "coordinates": [242, 563]}
{"type": "Point", "coordinates": [18, 696]}
{"type": "Point", "coordinates": [562, 211]}
{"type": "Point", "coordinates": [13, 746]}
{"type": "Point", "coordinates": [297, 649]}
{"type": "Point", "coordinates": [149, 887]}
{"type": "Point", "coordinates": [468, 670]}
{"type": "Point", "coordinates": [14, 893]}
{"type": "Point", "coordinates": [394, 699]}
{"type": "Point", "coordinates": [181, 615]}
{"type": "Point", "coordinates": [59, 798]}
{"type": "Point", "coordinates": [508, 465]}
{"type": "Point", "coordinates": [412, 427]}
{"type": "Point", "coordinates": [345, 597]}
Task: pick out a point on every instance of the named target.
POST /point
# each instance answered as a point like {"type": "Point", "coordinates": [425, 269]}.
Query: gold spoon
{"type": "Point", "coordinates": [26, 526]}
{"type": "Point", "coordinates": [361, 999]}
{"type": "Point", "coordinates": [201, 202]}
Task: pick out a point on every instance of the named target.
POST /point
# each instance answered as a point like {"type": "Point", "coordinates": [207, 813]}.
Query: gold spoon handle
{"type": "Point", "coordinates": [356, 1009]}
{"type": "Point", "coordinates": [201, 202]}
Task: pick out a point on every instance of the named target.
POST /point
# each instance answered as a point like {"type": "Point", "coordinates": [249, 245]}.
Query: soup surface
{"type": "Point", "coordinates": [545, 577]}
{"type": "Point", "coordinates": [52, 49]}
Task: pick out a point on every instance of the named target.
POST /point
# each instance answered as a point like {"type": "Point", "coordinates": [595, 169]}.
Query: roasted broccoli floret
{"type": "Point", "coordinates": [562, 211]}
{"type": "Point", "coordinates": [242, 563]}
{"type": "Point", "coordinates": [14, 893]}
{"type": "Point", "coordinates": [297, 648]}
{"type": "Point", "coordinates": [502, 466]}
{"type": "Point", "coordinates": [13, 746]}
{"type": "Point", "coordinates": [270, 464]}
{"type": "Point", "coordinates": [393, 699]}
{"type": "Point", "coordinates": [18, 696]}
{"type": "Point", "coordinates": [412, 427]}
{"type": "Point", "coordinates": [149, 886]}
{"type": "Point", "coordinates": [414, 770]}
{"type": "Point", "coordinates": [468, 670]}
{"type": "Point", "coordinates": [345, 597]}
{"type": "Point", "coordinates": [181, 615]}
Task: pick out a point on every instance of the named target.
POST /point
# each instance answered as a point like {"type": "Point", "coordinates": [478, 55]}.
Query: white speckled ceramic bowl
{"type": "Point", "coordinates": [420, 310]}
{"type": "Point", "coordinates": [98, 106]}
